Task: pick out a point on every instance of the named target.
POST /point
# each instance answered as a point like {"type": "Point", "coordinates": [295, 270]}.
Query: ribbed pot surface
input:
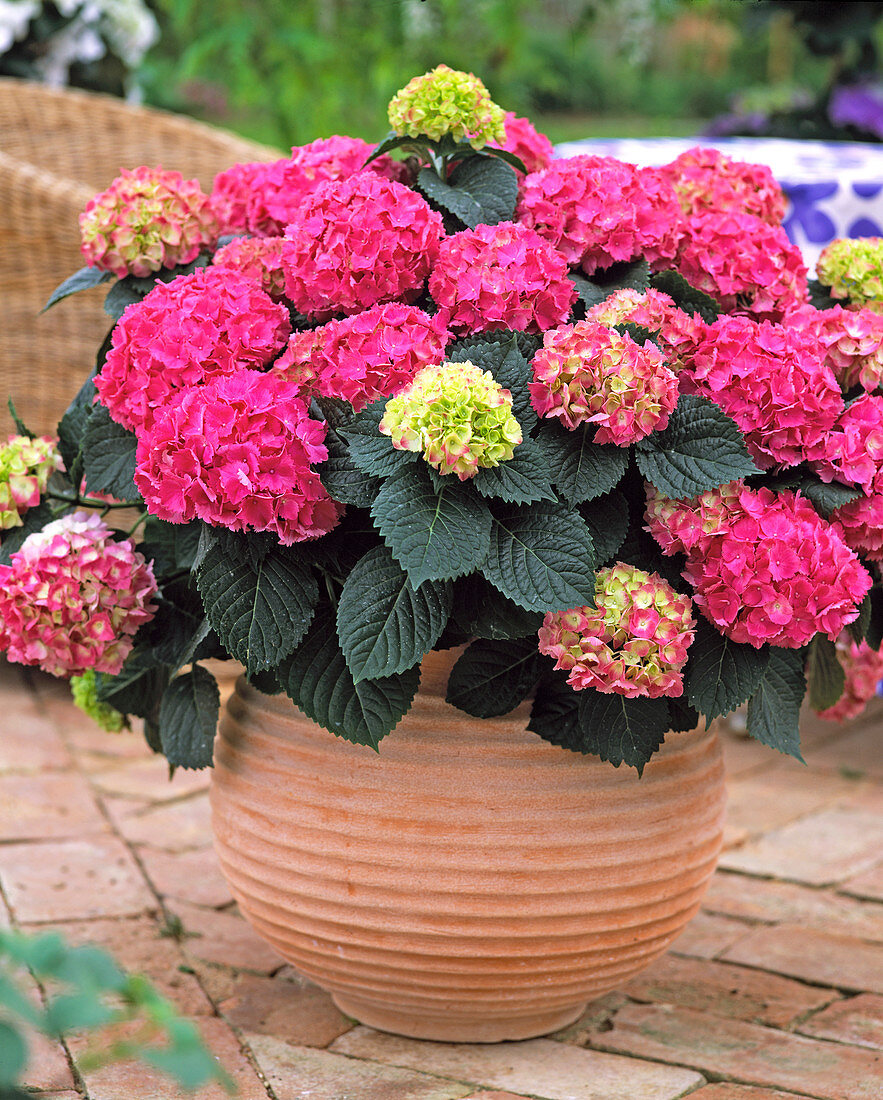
{"type": "Point", "coordinates": [469, 882]}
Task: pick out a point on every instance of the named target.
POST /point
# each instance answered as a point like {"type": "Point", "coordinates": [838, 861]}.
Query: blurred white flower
{"type": "Point", "coordinates": [15, 15]}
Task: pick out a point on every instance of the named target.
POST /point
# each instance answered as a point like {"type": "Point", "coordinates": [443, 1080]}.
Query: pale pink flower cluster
{"type": "Point", "coordinates": [532, 148]}
{"type": "Point", "coordinates": [26, 465]}
{"type": "Point", "coordinates": [146, 220]}
{"type": "Point", "coordinates": [258, 259]}
{"type": "Point", "coordinates": [706, 180]}
{"type": "Point", "coordinates": [356, 242]}
{"type": "Point", "coordinates": [772, 381]}
{"type": "Point", "coordinates": [853, 450]}
{"type": "Point", "coordinates": [777, 574]}
{"type": "Point", "coordinates": [501, 276]}
{"type": "Point", "coordinates": [746, 264]}
{"type": "Point", "coordinates": [587, 373]}
{"type": "Point", "coordinates": [864, 671]}
{"type": "Point", "coordinates": [852, 339]}
{"type": "Point", "coordinates": [72, 598]}
{"type": "Point", "coordinates": [597, 211]}
{"type": "Point", "coordinates": [677, 332]}
{"type": "Point", "coordinates": [237, 452]}
{"type": "Point", "coordinates": [365, 356]}
{"type": "Point", "coordinates": [182, 334]}
{"type": "Point", "coordinates": [682, 526]}
{"type": "Point", "coordinates": [634, 643]}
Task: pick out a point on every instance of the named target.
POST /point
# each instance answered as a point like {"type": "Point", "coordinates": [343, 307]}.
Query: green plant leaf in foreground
{"type": "Point", "coordinates": [188, 716]}
{"type": "Point", "coordinates": [492, 678]}
{"type": "Point", "coordinates": [109, 457]}
{"type": "Point", "coordinates": [824, 673]}
{"type": "Point", "coordinates": [774, 708]}
{"type": "Point", "coordinates": [721, 674]}
{"type": "Point", "coordinates": [84, 279]}
{"type": "Point", "coordinates": [580, 469]}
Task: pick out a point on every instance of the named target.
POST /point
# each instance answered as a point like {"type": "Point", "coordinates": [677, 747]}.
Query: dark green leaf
{"type": "Point", "coordinates": [700, 449]}
{"type": "Point", "coordinates": [554, 715]}
{"type": "Point", "coordinates": [825, 497]}
{"type": "Point", "coordinates": [317, 679]}
{"type": "Point", "coordinates": [824, 673]}
{"type": "Point", "coordinates": [682, 717]}
{"type": "Point", "coordinates": [188, 717]}
{"type": "Point", "coordinates": [858, 629]}
{"type": "Point", "coordinates": [259, 604]}
{"type": "Point", "coordinates": [433, 536]}
{"type": "Point", "coordinates": [541, 557]}
{"type": "Point", "coordinates": [621, 730]}
{"type": "Point", "coordinates": [84, 279]}
{"type": "Point", "coordinates": [368, 449]}
{"type": "Point", "coordinates": [109, 457]}
{"type": "Point", "coordinates": [590, 294]}
{"type": "Point", "coordinates": [459, 202]}
{"type": "Point", "coordinates": [72, 426]}
{"type": "Point", "coordinates": [507, 363]}
{"type": "Point", "coordinates": [384, 624]}
{"type": "Point", "coordinates": [390, 142]}
{"type": "Point", "coordinates": [874, 633]}
{"type": "Point", "coordinates": [626, 274]}
{"type": "Point", "coordinates": [774, 708]}
{"type": "Point", "coordinates": [580, 469]}
{"type": "Point", "coordinates": [138, 687]}
{"type": "Point", "coordinates": [721, 674]}
{"type": "Point", "coordinates": [607, 519]}
{"type": "Point", "coordinates": [481, 611]}
{"type": "Point", "coordinates": [343, 479]}
{"type": "Point", "coordinates": [685, 296]}
{"type": "Point", "coordinates": [171, 546]}
{"type": "Point", "coordinates": [820, 295]}
{"type": "Point", "coordinates": [522, 479]}
{"type": "Point", "coordinates": [492, 678]}
{"type": "Point", "coordinates": [481, 190]}
{"type": "Point", "coordinates": [504, 154]}
{"type": "Point", "coordinates": [20, 425]}
{"type": "Point", "coordinates": [134, 288]}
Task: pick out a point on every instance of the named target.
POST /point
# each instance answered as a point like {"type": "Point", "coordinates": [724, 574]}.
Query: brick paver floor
{"type": "Point", "coordinates": [774, 992]}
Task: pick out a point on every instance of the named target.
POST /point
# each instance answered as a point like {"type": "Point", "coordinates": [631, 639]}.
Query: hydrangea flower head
{"type": "Point", "coordinates": [685, 526]}
{"type": "Point", "coordinates": [864, 671]}
{"type": "Point", "coordinates": [772, 380]}
{"type": "Point", "coordinates": [587, 373]}
{"type": "Point", "coordinates": [72, 598]}
{"type": "Point", "coordinates": [237, 452]}
{"type": "Point", "coordinates": [283, 184]}
{"type": "Point", "coordinates": [25, 468]}
{"type": "Point", "coordinates": [231, 194]}
{"type": "Point", "coordinates": [501, 276]}
{"type": "Point", "coordinates": [532, 148]}
{"type": "Point", "coordinates": [356, 242]}
{"type": "Point", "coordinates": [853, 450]}
{"type": "Point", "coordinates": [676, 331]}
{"type": "Point", "coordinates": [447, 101]}
{"type": "Point", "coordinates": [368, 355]}
{"type": "Point", "coordinates": [146, 220]}
{"type": "Point", "coordinates": [779, 574]}
{"type": "Point", "coordinates": [182, 334]}
{"type": "Point", "coordinates": [84, 689]}
{"type": "Point", "coordinates": [852, 340]}
{"type": "Point", "coordinates": [852, 268]}
{"type": "Point", "coordinates": [746, 264]}
{"type": "Point", "coordinates": [258, 259]}
{"type": "Point", "coordinates": [634, 643]}
{"type": "Point", "coordinates": [706, 180]}
{"type": "Point", "coordinates": [458, 416]}
{"type": "Point", "coordinates": [598, 210]}
{"type": "Point", "coordinates": [860, 524]}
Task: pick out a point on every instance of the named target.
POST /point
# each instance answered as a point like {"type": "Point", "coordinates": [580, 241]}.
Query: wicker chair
{"type": "Point", "coordinates": [57, 149]}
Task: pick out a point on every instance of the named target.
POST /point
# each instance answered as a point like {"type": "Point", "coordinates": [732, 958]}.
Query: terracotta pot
{"type": "Point", "coordinates": [470, 882]}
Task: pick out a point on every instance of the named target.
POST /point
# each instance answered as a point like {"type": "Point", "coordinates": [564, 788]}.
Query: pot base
{"type": "Point", "coordinates": [450, 1029]}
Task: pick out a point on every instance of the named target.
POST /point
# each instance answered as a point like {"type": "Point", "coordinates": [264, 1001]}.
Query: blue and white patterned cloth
{"type": "Point", "coordinates": [834, 189]}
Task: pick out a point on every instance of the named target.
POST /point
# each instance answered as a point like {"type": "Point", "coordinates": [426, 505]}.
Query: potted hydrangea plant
{"type": "Point", "coordinates": [542, 464]}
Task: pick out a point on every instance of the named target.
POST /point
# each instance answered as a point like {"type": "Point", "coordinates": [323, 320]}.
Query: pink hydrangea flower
{"type": "Point", "coordinates": [598, 210]}
{"type": "Point", "coordinates": [181, 334]}
{"type": "Point", "coordinates": [501, 276]}
{"type": "Point", "coordinates": [677, 332]}
{"type": "Point", "coordinates": [258, 259]}
{"type": "Point", "coordinates": [707, 181]}
{"type": "Point", "coordinates": [778, 574]}
{"type": "Point", "coordinates": [365, 356]}
{"type": "Point", "coordinates": [852, 339]}
{"type": "Point", "coordinates": [146, 220]}
{"type": "Point", "coordinates": [746, 264]}
{"type": "Point", "coordinates": [232, 193]}
{"type": "Point", "coordinates": [860, 524]}
{"type": "Point", "coordinates": [72, 598]}
{"type": "Point", "coordinates": [284, 184]}
{"type": "Point", "coordinates": [532, 148]}
{"type": "Point", "coordinates": [685, 526]}
{"type": "Point", "coordinates": [853, 451]}
{"type": "Point", "coordinates": [634, 643]}
{"type": "Point", "coordinates": [864, 671]}
{"type": "Point", "coordinates": [772, 381]}
{"type": "Point", "coordinates": [357, 242]}
{"type": "Point", "coordinates": [238, 452]}
{"type": "Point", "coordinates": [590, 374]}
{"type": "Point", "coordinates": [25, 468]}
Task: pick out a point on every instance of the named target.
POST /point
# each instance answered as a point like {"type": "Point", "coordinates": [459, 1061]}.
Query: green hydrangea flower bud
{"type": "Point", "coordinates": [446, 101]}
{"type": "Point", "coordinates": [853, 269]}
{"type": "Point", "coordinates": [457, 415]}
{"type": "Point", "coordinates": [84, 689]}
{"type": "Point", "coordinates": [25, 467]}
